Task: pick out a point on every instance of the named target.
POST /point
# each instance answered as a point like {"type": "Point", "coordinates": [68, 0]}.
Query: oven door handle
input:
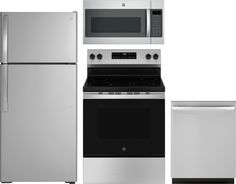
{"type": "Point", "coordinates": [148, 22]}
{"type": "Point", "coordinates": [154, 95]}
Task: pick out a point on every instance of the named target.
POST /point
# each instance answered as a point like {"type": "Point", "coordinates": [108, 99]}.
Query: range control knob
{"type": "Point", "coordinates": [99, 56]}
{"type": "Point", "coordinates": [155, 56]}
{"type": "Point", "coordinates": [92, 56]}
{"type": "Point", "coordinates": [148, 56]}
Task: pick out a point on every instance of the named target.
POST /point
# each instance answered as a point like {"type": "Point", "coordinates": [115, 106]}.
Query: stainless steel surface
{"type": "Point", "coordinates": [4, 87]}
{"type": "Point", "coordinates": [148, 21]}
{"type": "Point", "coordinates": [124, 95]}
{"type": "Point", "coordinates": [41, 37]}
{"type": "Point", "coordinates": [118, 4]}
{"type": "Point", "coordinates": [5, 39]}
{"type": "Point", "coordinates": [1, 36]}
{"type": "Point", "coordinates": [118, 40]}
{"type": "Point", "coordinates": [107, 57]}
{"type": "Point", "coordinates": [203, 139]}
{"type": "Point", "coordinates": [38, 133]}
{"type": "Point", "coordinates": [124, 170]}
{"type": "Point", "coordinates": [204, 108]}
{"type": "Point", "coordinates": [124, 65]}
{"type": "Point", "coordinates": [123, 4]}
{"type": "Point", "coordinates": [159, 5]}
{"type": "Point", "coordinates": [4, 68]}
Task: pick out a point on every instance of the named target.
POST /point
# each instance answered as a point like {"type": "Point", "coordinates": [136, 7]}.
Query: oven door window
{"type": "Point", "coordinates": [123, 123]}
{"type": "Point", "coordinates": [124, 128]}
{"type": "Point", "coordinates": [115, 23]}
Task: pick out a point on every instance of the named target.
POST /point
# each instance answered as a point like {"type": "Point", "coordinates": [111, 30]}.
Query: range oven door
{"type": "Point", "coordinates": [124, 126]}
{"type": "Point", "coordinates": [116, 23]}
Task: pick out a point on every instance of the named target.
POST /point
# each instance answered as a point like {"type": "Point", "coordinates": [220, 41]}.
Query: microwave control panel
{"type": "Point", "coordinates": [156, 23]}
{"type": "Point", "coordinates": [131, 57]}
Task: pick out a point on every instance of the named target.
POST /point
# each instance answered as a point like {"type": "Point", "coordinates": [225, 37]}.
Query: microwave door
{"type": "Point", "coordinates": [115, 23]}
{"type": "Point", "coordinates": [116, 26]}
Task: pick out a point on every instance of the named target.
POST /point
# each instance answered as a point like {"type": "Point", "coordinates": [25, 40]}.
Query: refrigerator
{"type": "Point", "coordinates": [203, 141]}
{"type": "Point", "coordinates": [38, 88]}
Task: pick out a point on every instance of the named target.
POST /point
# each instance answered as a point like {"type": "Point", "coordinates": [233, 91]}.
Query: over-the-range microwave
{"type": "Point", "coordinates": [123, 21]}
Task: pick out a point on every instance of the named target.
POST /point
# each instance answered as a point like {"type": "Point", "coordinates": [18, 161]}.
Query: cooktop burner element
{"type": "Point", "coordinates": [124, 84]}
{"type": "Point", "coordinates": [124, 81]}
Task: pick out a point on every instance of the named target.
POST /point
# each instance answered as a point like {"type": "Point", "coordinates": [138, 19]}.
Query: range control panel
{"type": "Point", "coordinates": [123, 57]}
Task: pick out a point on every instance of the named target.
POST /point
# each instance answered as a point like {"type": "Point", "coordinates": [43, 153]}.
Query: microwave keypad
{"type": "Point", "coordinates": [156, 23]}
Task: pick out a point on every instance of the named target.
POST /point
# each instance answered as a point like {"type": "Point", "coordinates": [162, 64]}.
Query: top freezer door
{"type": "Point", "coordinates": [203, 140]}
{"type": "Point", "coordinates": [40, 37]}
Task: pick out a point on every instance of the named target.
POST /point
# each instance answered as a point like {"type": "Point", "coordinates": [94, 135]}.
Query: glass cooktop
{"type": "Point", "coordinates": [124, 84]}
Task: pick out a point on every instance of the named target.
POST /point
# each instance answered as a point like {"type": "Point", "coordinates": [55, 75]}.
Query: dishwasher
{"type": "Point", "coordinates": [203, 141]}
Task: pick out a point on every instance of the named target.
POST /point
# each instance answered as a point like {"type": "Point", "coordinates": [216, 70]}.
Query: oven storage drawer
{"type": "Point", "coordinates": [124, 127]}
{"type": "Point", "coordinates": [124, 170]}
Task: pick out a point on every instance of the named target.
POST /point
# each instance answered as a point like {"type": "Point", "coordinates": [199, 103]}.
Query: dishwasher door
{"type": "Point", "coordinates": [38, 123]}
{"type": "Point", "coordinates": [203, 140]}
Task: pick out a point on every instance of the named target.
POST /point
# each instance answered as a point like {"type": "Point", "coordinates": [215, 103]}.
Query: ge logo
{"type": "Point", "coordinates": [123, 4]}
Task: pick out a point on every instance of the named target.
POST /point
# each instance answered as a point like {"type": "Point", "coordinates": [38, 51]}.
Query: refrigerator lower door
{"type": "Point", "coordinates": [203, 140]}
{"type": "Point", "coordinates": [38, 130]}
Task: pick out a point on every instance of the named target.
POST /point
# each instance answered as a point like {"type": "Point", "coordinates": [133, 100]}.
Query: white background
{"type": "Point", "coordinates": [198, 57]}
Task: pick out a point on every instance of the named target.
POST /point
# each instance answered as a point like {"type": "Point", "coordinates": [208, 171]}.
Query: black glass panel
{"type": "Point", "coordinates": [124, 55]}
{"type": "Point", "coordinates": [124, 127]}
{"type": "Point", "coordinates": [202, 180]}
{"type": "Point", "coordinates": [115, 25]}
{"type": "Point", "coordinates": [117, 123]}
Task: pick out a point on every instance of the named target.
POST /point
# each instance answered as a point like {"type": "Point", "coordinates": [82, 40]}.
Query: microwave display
{"type": "Point", "coordinates": [124, 55]}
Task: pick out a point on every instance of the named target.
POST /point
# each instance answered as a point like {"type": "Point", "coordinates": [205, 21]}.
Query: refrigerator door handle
{"type": "Point", "coordinates": [5, 39]}
{"type": "Point", "coordinates": [4, 87]}
{"type": "Point", "coordinates": [4, 73]}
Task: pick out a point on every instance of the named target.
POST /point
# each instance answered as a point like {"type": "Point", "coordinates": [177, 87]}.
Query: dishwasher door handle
{"type": "Point", "coordinates": [204, 108]}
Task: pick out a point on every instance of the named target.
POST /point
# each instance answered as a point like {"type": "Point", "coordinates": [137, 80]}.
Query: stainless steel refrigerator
{"type": "Point", "coordinates": [38, 96]}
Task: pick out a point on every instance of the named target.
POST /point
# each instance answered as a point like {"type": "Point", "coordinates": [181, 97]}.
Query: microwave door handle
{"type": "Point", "coordinates": [148, 22]}
{"type": "Point", "coordinates": [204, 108]}
{"type": "Point", "coordinates": [4, 68]}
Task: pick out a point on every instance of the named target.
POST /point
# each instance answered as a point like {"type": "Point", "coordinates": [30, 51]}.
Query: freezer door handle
{"type": "Point", "coordinates": [204, 108]}
{"type": "Point", "coordinates": [5, 39]}
{"type": "Point", "coordinates": [4, 68]}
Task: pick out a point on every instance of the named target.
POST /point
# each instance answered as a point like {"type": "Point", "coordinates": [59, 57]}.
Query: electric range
{"type": "Point", "coordinates": [124, 118]}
